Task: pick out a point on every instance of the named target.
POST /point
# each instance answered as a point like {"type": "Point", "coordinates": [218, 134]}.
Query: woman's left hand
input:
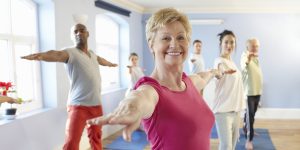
{"type": "Point", "coordinates": [125, 114]}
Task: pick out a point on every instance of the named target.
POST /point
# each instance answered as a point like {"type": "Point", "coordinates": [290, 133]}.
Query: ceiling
{"type": "Point", "coordinates": [212, 6]}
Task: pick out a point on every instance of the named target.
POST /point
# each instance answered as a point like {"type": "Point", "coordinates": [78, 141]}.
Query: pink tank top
{"type": "Point", "coordinates": [180, 121]}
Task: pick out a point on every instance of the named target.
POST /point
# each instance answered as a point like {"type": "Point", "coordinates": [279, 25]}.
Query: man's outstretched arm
{"type": "Point", "coordinates": [104, 62]}
{"type": "Point", "coordinates": [50, 56]}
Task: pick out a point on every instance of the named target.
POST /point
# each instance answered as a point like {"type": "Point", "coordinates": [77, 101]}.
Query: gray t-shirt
{"type": "Point", "coordinates": [84, 76]}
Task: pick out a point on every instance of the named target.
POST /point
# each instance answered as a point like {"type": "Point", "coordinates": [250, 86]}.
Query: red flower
{"type": "Point", "coordinates": [2, 84]}
{"type": "Point", "coordinates": [8, 85]}
{"type": "Point", "coordinates": [4, 93]}
{"type": "Point", "coordinates": [5, 86]}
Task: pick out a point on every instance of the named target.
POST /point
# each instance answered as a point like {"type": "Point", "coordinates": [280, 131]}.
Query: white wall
{"type": "Point", "coordinates": [44, 130]}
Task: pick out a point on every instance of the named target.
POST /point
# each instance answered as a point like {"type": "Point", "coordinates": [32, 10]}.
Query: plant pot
{"type": "Point", "coordinates": [10, 113]}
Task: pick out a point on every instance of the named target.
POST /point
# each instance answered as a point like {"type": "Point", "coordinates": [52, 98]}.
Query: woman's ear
{"type": "Point", "coordinates": [150, 45]}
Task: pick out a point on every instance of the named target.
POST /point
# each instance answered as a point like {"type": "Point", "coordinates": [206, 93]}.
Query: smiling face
{"type": "Point", "coordinates": [170, 45]}
{"type": "Point", "coordinates": [227, 45]}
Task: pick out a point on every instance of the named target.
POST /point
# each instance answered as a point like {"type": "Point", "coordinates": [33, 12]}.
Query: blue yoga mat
{"type": "Point", "coordinates": [138, 142]}
{"type": "Point", "coordinates": [214, 133]}
{"type": "Point", "coordinates": [261, 142]}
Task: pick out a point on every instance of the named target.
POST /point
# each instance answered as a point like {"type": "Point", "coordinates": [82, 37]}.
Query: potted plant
{"type": "Point", "coordinates": [10, 113]}
{"type": "Point", "coordinates": [7, 89]}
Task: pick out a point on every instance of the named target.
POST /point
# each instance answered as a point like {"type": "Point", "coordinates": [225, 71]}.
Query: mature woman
{"type": "Point", "coordinates": [168, 102]}
{"type": "Point", "coordinates": [229, 99]}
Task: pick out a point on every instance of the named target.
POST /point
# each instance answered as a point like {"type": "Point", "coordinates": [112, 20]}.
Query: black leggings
{"type": "Point", "coordinates": [253, 102]}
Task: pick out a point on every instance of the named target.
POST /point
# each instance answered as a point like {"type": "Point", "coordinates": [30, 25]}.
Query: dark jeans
{"type": "Point", "coordinates": [253, 102]}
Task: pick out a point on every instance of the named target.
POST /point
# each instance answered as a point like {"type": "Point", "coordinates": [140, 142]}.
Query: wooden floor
{"type": "Point", "coordinates": [285, 134]}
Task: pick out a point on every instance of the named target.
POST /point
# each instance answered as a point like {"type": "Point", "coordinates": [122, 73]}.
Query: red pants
{"type": "Point", "coordinates": [77, 116]}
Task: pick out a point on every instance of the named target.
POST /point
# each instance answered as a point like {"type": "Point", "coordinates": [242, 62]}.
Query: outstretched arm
{"type": "Point", "coordinates": [138, 105]}
{"type": "Point", "coordinates": [7, 99]}
{"type": "Point", "coordinates": [225, 70]}
{"type": "Point", "coordinates": [105, 62]}
{"type": "Point", "coordinates": [246, 58]}
{"type": "Point", "coordinates": [50, 56]}
{"type": "Point", "coordinates": [200, 80]}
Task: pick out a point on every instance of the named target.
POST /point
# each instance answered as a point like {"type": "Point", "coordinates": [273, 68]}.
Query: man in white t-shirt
{"type": "Point", "coordinates": [84, 100]}
{"type": "Point", "coordinates": [196, 62]}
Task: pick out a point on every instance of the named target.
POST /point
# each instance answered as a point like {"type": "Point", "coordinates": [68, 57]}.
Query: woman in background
{"type": "Point", "coordinates": [134, 70]}
{"type": "Point", "coordinates": [229, 95]}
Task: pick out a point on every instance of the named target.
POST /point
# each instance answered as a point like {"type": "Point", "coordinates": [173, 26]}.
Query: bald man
{"type": "Point", "coordinates": [84, 102]}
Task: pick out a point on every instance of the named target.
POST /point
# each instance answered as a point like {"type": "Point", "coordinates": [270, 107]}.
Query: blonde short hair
{"type": "Point", "coordinates": [163, 17]}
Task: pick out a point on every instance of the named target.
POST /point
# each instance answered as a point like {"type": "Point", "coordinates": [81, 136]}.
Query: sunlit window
{"type": "Point", "coordinates": [107, 46]}
{"type": "Point", "coordinates": [18, 37]}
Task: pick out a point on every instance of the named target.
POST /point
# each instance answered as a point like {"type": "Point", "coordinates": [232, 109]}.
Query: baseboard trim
{"type": "Point", "coordinates": [277, 113]}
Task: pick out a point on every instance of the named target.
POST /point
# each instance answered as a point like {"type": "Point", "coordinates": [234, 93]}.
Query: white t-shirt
{"type": "Point", "coordinates": [229, 93]}
{"type": "Point", "coordinates": [84, 76]}
{"type": "Point", "coordinates": [136, 74]}
{"type": "Point", "coordinates": [198, 65]}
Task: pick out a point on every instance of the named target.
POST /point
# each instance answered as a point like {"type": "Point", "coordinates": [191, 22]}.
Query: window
{"type": "Point", "coordinates": [107, 46]}
{"type": "Point", "coordinates": [18, 37]}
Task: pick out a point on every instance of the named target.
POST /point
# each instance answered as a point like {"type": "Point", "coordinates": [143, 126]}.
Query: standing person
{"type": "Point", "coordinates": [253, 80]}
{"type": "Point", "coordinates": [196, 60]}
{"type": "Point", "coordinates": [84, 100]}
{"type": "Point", "coordinates": [229, 100]}
{"type": "Point", "coordinates": [134, 70]}
{"type": "Point", "coordinates": [167, 101]}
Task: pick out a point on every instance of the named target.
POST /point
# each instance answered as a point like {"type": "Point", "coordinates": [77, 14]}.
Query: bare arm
{"type": "Point", "coordinates": [138, 105]}
{"type": "Point", "coordinates": [200, 80]}
{"type": "Point", "coordinates": [225, 71]}
{"type": "Point", "coordinates": [49, 56]}
{"type": "Point", "coordinates": [7, 99]}
{"type": "Point", "coordinates": [105, 62]}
